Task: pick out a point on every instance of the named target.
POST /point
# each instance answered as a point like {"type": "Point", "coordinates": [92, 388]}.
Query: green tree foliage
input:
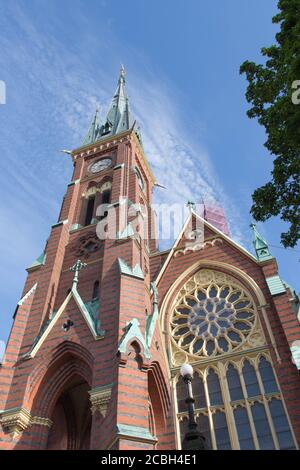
{"type": "Point", "coordinates": [272, 92]}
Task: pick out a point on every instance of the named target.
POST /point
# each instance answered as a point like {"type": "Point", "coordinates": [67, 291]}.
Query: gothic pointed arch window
{"type": "Point", "coordinates": [214, 325]}
{"type": "Point", "coordinates": [105, 200]}
{"type": "Point", "coordinates": [89, 210]}
{"type": "Point", "coordinates": [88, 205]}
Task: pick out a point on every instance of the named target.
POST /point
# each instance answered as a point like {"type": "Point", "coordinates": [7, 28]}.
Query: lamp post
{"type": "Point", "coordinates": [193, 440]}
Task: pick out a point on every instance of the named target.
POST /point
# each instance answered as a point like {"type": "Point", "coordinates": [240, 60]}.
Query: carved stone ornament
{"type": "Point", "coordinates": [100, 398]}
{"type": "Point", "coordinates": [87, 245]}
{"type": "Point", "coordinates": [198, 245]}
{"type": "Point", "coordinates": [15, 420]}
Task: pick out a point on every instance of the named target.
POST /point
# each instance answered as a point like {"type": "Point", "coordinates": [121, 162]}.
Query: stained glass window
{"type": "Point", "coordinates": [234, 383]}
{"type": "Point", "coordinates": [221, 431]}
{"type": "Point", "coordinates": [243, 429]}
{"type": "Point", "coordinates": [250, 379]}
{"type": "Point", "coordinates": [267, 376]}
{"type": "Point", "coordinates": [262, 427]}
{"type": "Point", "coordinates": [199, 393]}
{"type": "Point", "coordinates": [237, 400]}
{"type": "Point", "coordinates": [281, 425]}
{"type": "Point", "coordinates": [214, 389]}
{"type": "Point", "coordinates": [212, 319]}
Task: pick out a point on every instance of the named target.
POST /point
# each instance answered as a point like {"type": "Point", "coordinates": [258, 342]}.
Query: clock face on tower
{"type": "Point", "coordinates": [100, 165]}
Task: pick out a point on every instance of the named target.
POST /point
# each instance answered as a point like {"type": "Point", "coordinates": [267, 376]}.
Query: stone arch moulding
{"type": "Point", "coordinates": [162, 391]}
{"type": "Point", "coordinates": [136, 345]}
{"type": "Point", "coordinates": [132, 334]}
{"type": "Point", "coordinates": [242, 277]}
{"type": "Point", "coordinates": [51, 374]}
{"type": "Point", "coordinates": [48, 381]}
{"type": "Point", "coordinates": [105, 185]}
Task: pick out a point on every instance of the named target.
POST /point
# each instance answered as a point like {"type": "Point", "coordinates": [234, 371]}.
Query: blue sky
{"type": "Point", "coordinates": [60, 59]}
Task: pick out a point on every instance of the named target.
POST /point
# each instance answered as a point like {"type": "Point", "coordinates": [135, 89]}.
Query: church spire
{"type": "Point", "coordinates": [118, 118]}
{"type": "Point", "coordinates": [260, 245]}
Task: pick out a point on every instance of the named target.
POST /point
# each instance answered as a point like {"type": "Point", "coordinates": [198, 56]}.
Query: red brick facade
{"type": "Point", "coordinates": [47, 381]}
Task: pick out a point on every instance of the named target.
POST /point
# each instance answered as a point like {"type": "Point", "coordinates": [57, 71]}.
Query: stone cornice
{"type": "Point", "coordinates": [15, 420]}
{"type": "Point", "coordinates": [112, 140]}
{"type": "Point", "coordinates": [100, 398]}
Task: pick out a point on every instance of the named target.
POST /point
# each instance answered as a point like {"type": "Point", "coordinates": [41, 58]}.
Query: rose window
{"type": "Point", "coordinates": [212, 317]}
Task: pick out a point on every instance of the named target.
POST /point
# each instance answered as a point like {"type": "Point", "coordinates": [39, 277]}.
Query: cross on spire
{"type": "Point", "coordinates": [75, 269]}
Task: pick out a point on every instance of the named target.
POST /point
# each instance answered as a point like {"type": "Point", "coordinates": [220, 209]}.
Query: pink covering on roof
{"type": "Point", "coordinates": [215, 216]}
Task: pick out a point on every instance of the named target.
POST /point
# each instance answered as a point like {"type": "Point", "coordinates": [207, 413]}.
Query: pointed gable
{"type": "Point", "coordinates": [210, 237]}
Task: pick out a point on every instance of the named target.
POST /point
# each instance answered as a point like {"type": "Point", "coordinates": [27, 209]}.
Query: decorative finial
{"type": "Point", "coordinates": [190, 205]}
{"type": "Point", "coordinates": [75, 269]}
{"type": "Point", "coordinates": [96, 114]}
{"type": "Point", "coordinates": [122, 73]}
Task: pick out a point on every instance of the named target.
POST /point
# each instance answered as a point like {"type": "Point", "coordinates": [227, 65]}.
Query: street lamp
{"type": "Point", "coordinates": [193, 440]}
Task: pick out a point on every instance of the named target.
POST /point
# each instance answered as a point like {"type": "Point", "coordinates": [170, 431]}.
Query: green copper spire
{"type": "Point", "coordinates": [118, 118]}
{"type": "Point", "coordinates": [260, 245]}
{"type": "Point", "coordinates": [93, 130]}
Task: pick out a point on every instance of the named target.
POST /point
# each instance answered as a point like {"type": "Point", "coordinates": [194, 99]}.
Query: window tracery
{"type": "Point", "coordinates": [213, 315]}
{"type": "Point", "coordinates": [238, 404]}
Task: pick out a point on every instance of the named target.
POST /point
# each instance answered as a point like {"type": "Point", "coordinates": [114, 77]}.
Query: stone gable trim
{"type": "Point", "coordinates": [85, 313]}
{"type": "Point", "coordinates": [211, 227]}
{"type": "Point", "coordinates": [28, 294]}
{"type": "Point", "coordinates": [132, 331]}
{"type": "Point", "coordinates": [133, 272]}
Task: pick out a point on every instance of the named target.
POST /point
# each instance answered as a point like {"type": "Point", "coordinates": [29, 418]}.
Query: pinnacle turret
{"type": "Point", "coordinates": [260, 245]}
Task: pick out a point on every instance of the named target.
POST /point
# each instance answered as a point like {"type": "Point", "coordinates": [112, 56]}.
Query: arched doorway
{"type": "Point", "coordinates": [71, 417]}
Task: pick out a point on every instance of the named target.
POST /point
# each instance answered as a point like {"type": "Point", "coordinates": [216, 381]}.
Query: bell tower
{"type": "Point", "coordinates": [106, 321]}
{"type": "Point", "coordinates": [78, 372]}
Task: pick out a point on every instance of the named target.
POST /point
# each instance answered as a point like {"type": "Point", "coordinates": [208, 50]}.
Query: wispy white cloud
{"type": "Point", "coordinates": [179, 160]}
{"type": "Point", "coordinates": [2, 350]}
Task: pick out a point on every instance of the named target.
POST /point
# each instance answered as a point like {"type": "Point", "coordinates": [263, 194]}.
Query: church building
{"type": "Point", "coordinates": [106, 320]}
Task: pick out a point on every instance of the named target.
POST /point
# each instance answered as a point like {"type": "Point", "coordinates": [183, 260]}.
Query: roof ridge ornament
{"type": "Point", "coordinates": [191, 206]}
